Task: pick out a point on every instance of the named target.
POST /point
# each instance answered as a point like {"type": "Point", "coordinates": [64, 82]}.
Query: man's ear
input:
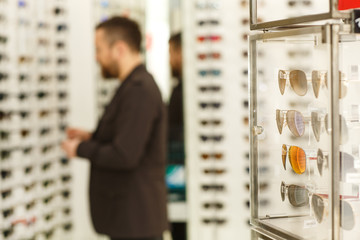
{"type": "Point", "coordinates": [118, 49]}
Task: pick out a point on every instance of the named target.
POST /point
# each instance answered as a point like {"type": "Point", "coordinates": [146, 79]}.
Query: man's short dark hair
{"type": "Point", "coordinates": [175, 39]}
{"type": "Point", "coordinates": [121, 28]}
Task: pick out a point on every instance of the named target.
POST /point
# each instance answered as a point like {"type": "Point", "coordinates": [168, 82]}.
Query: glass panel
{"type": "Point", "coordinates": [350, 125]}
{"type": "Point", "coordinates": [293, 143]}
{"type": "Point", "coordinates": [283, 9]}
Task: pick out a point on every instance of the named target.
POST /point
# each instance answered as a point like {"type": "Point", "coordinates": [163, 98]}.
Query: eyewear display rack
{"type": "Point", "coordinates": [308, 126]}
{"type": "Point", "coordinates": [35, 183]}
{"type": "Point", "coordinates": [105, 9]}
{"type": "Point", "coordinates": [216, 118]}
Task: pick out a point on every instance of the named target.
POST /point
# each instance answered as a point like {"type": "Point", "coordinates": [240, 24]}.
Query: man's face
{"type": "Point", "coordinates": [104, 56]}
{"type": "Point", "coordinates": [175, 56]}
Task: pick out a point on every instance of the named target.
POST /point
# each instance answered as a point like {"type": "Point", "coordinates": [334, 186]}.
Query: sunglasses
{"type": "Point", "coordinates": [262, 186]}
{"type": "Point", "coordinates": [3, 39]}
{"type": "Point", "coordinates": [215, 138]}
{"type": "Point", "coordinates": [294, 120]}
{"type": "Point", "coordinates": [216, 156]}
{"type": "Point", "coordinates": [293, 3]}
{"type": "Point", "coordinates": [58, 11]}
{"type": "Point", "coordinates": [212, 55]}
{"type": "Point", "coordinates": [210, 105]}
{"type": "Point", "coordinates": [316, 120]}
{"type": "Point", "coordinates": [214, 171]}
{"type": "Point", "coordinates": [61, 27]}
{"type": "Point", "coordinates": [213, 187]}
{"type": "Point", "coordinates": [3, 76]}
{"type": "Point", "coordinates": [209, 38]}
{"type": "Point", "coordinates": [299, 196]}
{"type": "Point", "coordinates": [44, 78]}
{"type": "Point", "coordinates": [212, 88]}
{"type": "Point", "coordinates": [215, 221]}
{"type": "Point", "coordinates": [297, 158]}
{"type": "Point", "coordinates": [60, 45]}
{"type": "Point", "coordinates": [207, 5]}
{"type": "Point", "coordinates": [215, 205]}
{"type": "Point", "coordinates": [214, 122]}
{"type": "Point", "coordinates": [211, 72]}
{"type": "Point", "coordinates": [61, 77]}
{"type": "Point", "coordinates": [208, 22]}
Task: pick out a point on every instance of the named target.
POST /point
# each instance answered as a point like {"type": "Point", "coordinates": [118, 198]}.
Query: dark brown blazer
{"type": "Point", "coordinates": [127, 156]}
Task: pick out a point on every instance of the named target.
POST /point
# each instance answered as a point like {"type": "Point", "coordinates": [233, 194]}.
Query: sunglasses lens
{"type": "Point", "coordinates": [298, 82]}
{"type": "Point", "coordinates": [283, 155]}
{"type": "Point", "coordinates": [297, 159]}
{"type": "Point", "coordinates": [316, 125]}
{"type": "Point", "coordinates": [282, 81]}
{"type": "Point", "coordinates": [347, 220]}
{"type": "Point", "coordinates": [326, 121]}
{"type": "Point", "coordinates": [318, 207]}
{"type": "Point", "coordinates": [344, 131]}
{"type": "Point", "coordinates": [320, 161]}
{"type": "Point", "coordinates": [295, 121]}
{"type": "Point", "coordinates": [298, 196]}
{"type": "Point", "coordinates": [315, 79]}
{"type": "Point", "coordinates": [282, 191]}
{"type": "Point", "coordinates": [279, 120]}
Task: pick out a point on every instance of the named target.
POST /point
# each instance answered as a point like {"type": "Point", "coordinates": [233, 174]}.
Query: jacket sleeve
{"type": "Point", "coordinates": [132, 132]}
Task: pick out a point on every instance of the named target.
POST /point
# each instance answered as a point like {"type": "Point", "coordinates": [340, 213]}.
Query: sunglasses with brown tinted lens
{"type": "Point", "coordinates": [214, 171]}
{"type": "Point", "coordinates": [298, 195]}
{"type": "Point", "coordinates": [216, 205]}
{"type": "Point", "coordinates": [216, 156]}
{"type": "Point", "coordinates": [214, 122]}
{"type": "Point", "coordinates": [213, 55]}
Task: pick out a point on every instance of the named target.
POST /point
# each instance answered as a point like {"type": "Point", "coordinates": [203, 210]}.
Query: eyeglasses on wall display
{"type": "Point", "coordinates": [35, 200]}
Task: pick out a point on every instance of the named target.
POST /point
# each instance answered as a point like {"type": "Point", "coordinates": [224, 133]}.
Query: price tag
{"type": "Point", "coordinates": [310, 223]}
{"type": "Point", "coordinates": [353, 178]}
{"type": "Point", "coordinates": [354, 72]}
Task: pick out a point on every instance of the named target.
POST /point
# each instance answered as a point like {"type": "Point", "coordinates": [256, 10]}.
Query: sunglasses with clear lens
{"type": "Point", "coordinates": [207, 5]}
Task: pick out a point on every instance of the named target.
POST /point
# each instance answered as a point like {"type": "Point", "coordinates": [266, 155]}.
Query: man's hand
{"type": "Point", "coordinates": [70, 146]}
{"type": "Point", "coordinates": [73, 133]}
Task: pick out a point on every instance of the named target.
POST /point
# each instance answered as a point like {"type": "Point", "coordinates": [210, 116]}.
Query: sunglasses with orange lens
{"type": "Point", "coordinates": [297, 158]}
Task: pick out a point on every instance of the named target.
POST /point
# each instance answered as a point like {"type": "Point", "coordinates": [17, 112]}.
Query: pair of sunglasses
{"type": "Point", "coordinates": [299, 196]}
{"type": "Point", "coordinates": [299, 82]}
{"type": "Point", "coordinates": [316, 120]}
{"type": "Point", "coordinates": [216, 156]}
{"type": "Point", "coordinates": [209, 38]}
{"type": "Point", "coordinates": [210, 72]}
{"type": "Point", "coordinates": [212, 55]}
{"type": "Point", "coordinates": [215, 138]}
{"type": "Point", "coordinates": [296, 123]}
{"type": "Point", "coordinates": [208, 22]}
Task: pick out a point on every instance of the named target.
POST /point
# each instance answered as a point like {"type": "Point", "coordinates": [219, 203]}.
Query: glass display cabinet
{"type": "Point", "coordinates": [305, 133]}
{"type": "Point", "coordinates": [298, 12]}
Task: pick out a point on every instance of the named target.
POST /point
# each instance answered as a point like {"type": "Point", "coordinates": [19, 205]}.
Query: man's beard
{"type": "Point", "coordinates": [175, 73]}
{"type": "Point", "coordinates": [109, 72]}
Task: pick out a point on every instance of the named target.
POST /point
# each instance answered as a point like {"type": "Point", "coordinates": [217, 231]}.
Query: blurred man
{"type": "Point", "coordinates": [127, 150]}
{"type": "Point", "coordinates": [176, 152]}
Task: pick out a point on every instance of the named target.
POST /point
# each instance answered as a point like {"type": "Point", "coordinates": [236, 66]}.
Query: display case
{"type": "Point", "coordinates": [304, 133]}
{"type": "Point", "coordinates": [299, 12]}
